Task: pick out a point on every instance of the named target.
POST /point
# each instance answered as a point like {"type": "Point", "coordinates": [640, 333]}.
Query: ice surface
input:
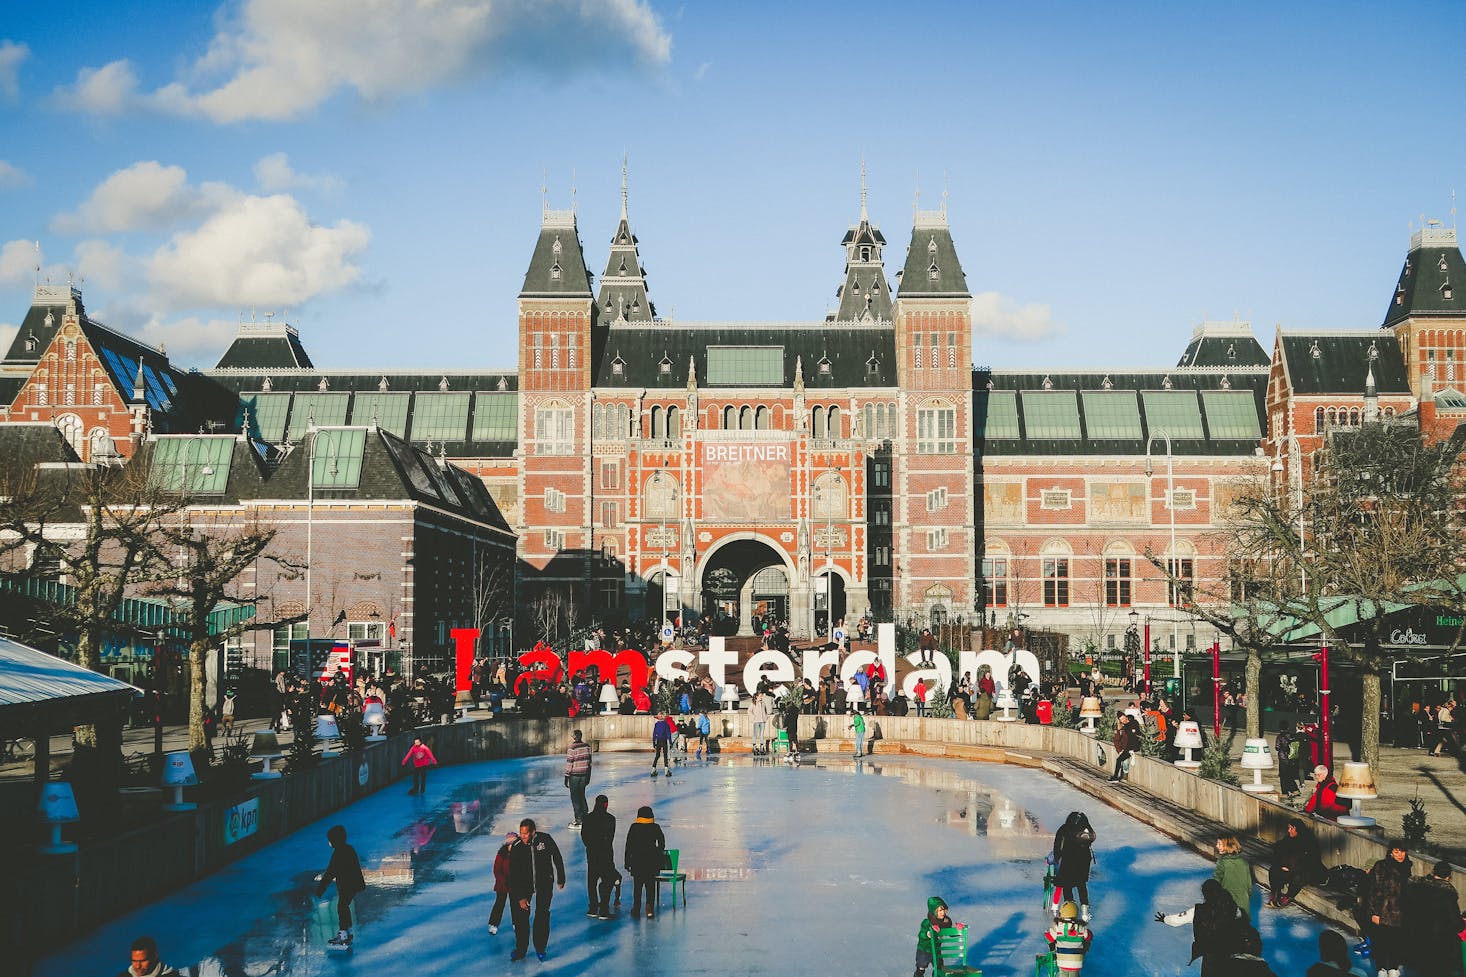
{"type": "Point", "coordinates": [820, 869]}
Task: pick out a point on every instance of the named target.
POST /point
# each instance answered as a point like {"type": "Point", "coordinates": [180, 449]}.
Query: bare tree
{"type": "Point", "coordinates": [492, 595]}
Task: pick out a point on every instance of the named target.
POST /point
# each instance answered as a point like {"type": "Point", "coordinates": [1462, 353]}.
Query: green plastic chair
{"type": "Point", "coordinates": [781, 741]}
{"type": "Point", "coordinates": [949, 956]}
{"type": "Point", "coordinates": [671, 874]}
{"type": "Point", "coordinates": [1046, 965]}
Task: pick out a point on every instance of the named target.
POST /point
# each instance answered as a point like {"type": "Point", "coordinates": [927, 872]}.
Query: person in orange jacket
{"type": "Point", "coordinates": [421, 758]}
{"type": "Point", "coordinates": [1325, 800]}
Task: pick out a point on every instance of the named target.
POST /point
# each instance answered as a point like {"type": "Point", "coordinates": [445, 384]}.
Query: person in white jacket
{"type": "Point", "coordinates": [759, 716]}
{"type": "Point", "coordinates": [855, 698]}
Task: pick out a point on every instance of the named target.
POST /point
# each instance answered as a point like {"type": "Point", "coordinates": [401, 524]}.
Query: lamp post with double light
{"type": "Point", "coordinates": [1173, 564]}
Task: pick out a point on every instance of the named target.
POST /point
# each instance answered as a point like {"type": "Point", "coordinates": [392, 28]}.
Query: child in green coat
{"type": "Point", "coordinates": [936, 919]}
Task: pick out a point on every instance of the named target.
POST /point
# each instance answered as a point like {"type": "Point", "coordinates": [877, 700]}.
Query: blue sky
{"type": "Point", "coordinates": [371, 169]}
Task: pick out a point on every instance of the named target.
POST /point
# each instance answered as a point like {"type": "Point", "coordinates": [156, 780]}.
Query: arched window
{"type": "Point", "coordinates": [1056, 558]}
{"type": "Point", "coordinates": [1353, 417]}
{"type": "Point", "coordinates": [730, 418]}
{"type": "Point", "coordinates": [598, 421]}
{"type": "Point", "coordinates": [820, 428]}
{"type": "Point", "coordinates": [70, 427]}
{"type": "Point", "coordinates": [868, 420]}
{"type": "Point", "coordinates": [99, 443]}
{"type": "Point", "coordinates": [836, 428]}
{"type": "Point", "coordinates": [745, 419]}
{"type": "Point", "coordinates": [658, 429]}
{"type": "Point", "coordinates": [1318, 417]}
{"type": "Point", "coordinates": [761, 418]}
{"type": "Point", "coordinates": [623, 421]}
{"type": "Point", "coordinates": [831, 497]}
{"type": "Point", "coordinates": [674, 423]}
{"type": "Point", "coordinates": [1333, 417]}
{"type": "Point", "coordinates": [660, 497]}
{"type": "Point", "coordinates": [996, 562]}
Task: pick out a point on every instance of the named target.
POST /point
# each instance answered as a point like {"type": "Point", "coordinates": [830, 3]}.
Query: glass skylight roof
{"type": "Point", "coordinates": [440, 416]}
{"type": "Point", "coordinates": [1232, 414]}
{"type": "Point", "coordinates": [1002, 419]}
{"type": "Point", "coordinates": [196, 465]}
{"type": "Point", "coordinates": [267, 413]}
{"type": "Point", "coordinates": [746, 366]}
{"type": "Point", "coordinates": [1051, 414]}
{"type": "Point", "coordinates": [335, 456]}
{"type": "Point", "coordinates": [1173, 412]}
{"type": "Point", "coordinates": [322, 409]}
{"type": "Point", "coordinates": [495, 416]}
{"type": "Point", "coordinates": [387, 410]}
{"type": "Point", "coordinates": [1112, 415]}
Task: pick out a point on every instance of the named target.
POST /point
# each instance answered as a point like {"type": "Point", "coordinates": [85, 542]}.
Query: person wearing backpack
{"type": "Point", "coordinates": [1283, 748]}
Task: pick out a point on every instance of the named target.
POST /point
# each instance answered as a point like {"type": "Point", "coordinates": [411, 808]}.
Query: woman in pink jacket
{"type": "Point", "coordinates": [421, 758]}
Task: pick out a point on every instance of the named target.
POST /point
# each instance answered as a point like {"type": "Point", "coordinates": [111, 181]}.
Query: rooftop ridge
{"type": "Point", "coordinates": [929, 219]}
{"type": "Point", "coordinates": [1367, 333]}
{"type": "Point", "coordinates": [811, 324]}
{"type": "Point", "coordinates": [1433, 236]}
{"type": "Point", "coordinates": [1225, 327]}
{"type": "Point", "coordinates": [1127, 371]}
{"type": "Point", "coordinates": [301, 371]}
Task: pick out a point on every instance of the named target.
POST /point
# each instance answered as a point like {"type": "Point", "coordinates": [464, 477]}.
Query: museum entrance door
{"type": "Point", "coordinates": [745, 579]}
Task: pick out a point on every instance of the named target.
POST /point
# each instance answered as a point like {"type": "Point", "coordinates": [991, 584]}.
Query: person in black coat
{"type": "Point", "coordinates": [646, 848]}
{"type": "Point", "coordinates": [345, 870]}
{"type": "Point", "coordinates": [1216, 927]}
{"type": "Point", "coordinates": [1295, 864]}
{"type": "Point", "coordinates": [1073, 853]}
{"type": "Point", "coordinates": [1431, 915]}
{"type": "Point", "coordinates": [598, 834]}
{"type": "Point", "coordinates": [535, 866]}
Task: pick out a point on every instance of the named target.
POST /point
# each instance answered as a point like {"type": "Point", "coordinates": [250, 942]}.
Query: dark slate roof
{"type": "Point", "coordinates": [181, 401]}
{"type": "Point", "coordinates": [1224, 344]}
{"type": "Point", "coordinates": [51, 300]}
{"type": "Point", "coordinates": [1139, 383]}
{"type": "Point", "coordinates": [27, 444]}
{"type": "Point", "coordinates": [392, 470]}
{"type": "Point", "coordinates": [265, 346]}
{"type": "Point", "coordinates": [623, 293]}
{"type": "Point", "coordinates": [847, 347]}
{"type": "Point", "coordinates": [559, 248]}
{"type": "Point", "coordinates": [1339, 362]}
{"type": "Point", "coordinates": [10, 387]}
{"type": "Point", "coordinates": [865, 294]}
{"type": "Point", "coordinates": [1433, 270]}
{"type": "Point", "coordinates": [931, 245]}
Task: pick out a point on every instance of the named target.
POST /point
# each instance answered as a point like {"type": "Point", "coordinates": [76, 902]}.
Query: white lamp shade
{"type": "Point", "coordinates": [608, 695]}
{"type": "Point", "coordinates": [266, 746]}
{"type": "Point", "coordinates": [58, 804]}
{"type": "Point", "coordinates": [178, 770]}
{"type": "Point", "coordinates": [730, 693]}
{"type": "Point", "coordinates": [374, 714]}
{"type": "Point", "coordinates": [326, 728]}
{"type": "Point", "coordinates": [1357, 782]}
{"type": "Point", "coordinates": [1090, 708]}
{"type": "Point", "coordinates": [1188, 735]}
{"type": "Point", "coordinates": [1256, 755]}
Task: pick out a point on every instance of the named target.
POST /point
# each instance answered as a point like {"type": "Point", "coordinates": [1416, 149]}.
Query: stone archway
{"type": "Point", "coordinates": [734, 586]}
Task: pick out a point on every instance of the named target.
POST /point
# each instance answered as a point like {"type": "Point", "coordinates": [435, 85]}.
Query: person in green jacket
{"type": "Point", "coordinates": [859, 726]}
{"type": "Point", "coordinates": [936, 919]}
{"type": "Point", "coordinates": [1234, 873]}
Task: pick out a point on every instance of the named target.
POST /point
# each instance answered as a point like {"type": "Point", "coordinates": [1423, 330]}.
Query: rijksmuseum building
{"type": "Point", "coordinates": [804, 471]}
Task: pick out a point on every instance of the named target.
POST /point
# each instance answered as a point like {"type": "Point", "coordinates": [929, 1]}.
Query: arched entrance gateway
{"type": "Point", "coordinates": [744, 584]}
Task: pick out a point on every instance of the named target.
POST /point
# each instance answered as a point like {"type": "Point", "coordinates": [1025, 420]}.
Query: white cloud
{"type": "Point", "coordinates": [109, 268]}
{"type": "Point", "coordinates": [12, 177]}
{"type": "Point", "coordinates": [190, 339]}
{"type": "Point", "coordinates": [143, 196]}
{"type": "Point", "coordinates": [17, 262]}
{"type": "Point", "coordinates": [256, 250]}
{"type": "Point", "coordinates": [279, 59]}
{"type": "Point", "coordinates": [108, 90]}
{"type": "Point", "coordinates": [994, 315]}
{"type": "Point", "coordinates": [12, 56]}
{"type": "Point", "coordinates": [274, 172]}
{"type": "Point", "coordinates": [702, 70]}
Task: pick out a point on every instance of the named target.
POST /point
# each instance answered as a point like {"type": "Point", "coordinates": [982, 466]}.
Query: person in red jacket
{"type": "Point", "coordinates": [1325, 800]}
{"type": "Point", "coordinates": [501, 882]}
{"type": "Point", "coordinates": [421, 758]}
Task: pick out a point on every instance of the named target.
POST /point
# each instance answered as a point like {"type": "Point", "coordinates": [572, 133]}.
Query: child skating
{"type": "Point", "coordinates": [345, 870]}
{"type": "Point", "coordinates": [929, 936]}
{"type": "Point", "coordinates": [1069, 939]}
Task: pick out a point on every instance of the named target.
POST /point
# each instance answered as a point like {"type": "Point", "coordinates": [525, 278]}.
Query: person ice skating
{"type": "Point", "coordinates": [1215, 923]}
{"type": "Point", "coordinates": [1073, 853]}
{"type": "Point", "coordinates": [918, 693]}
{"type": "Point", "coordinates": [1069, 939]}
{"type": "Point", "coordinates": [1382, 900]}
{"type": "Point", "coordinates": [645, 848]}
{"type": "Point", "coordinates": [501, 882]}
{"type": "Point", "coordinates": [1233, 872]}
{"type": "Point", "coordinates": [791, 726]}
{"type": "Point", "coordinates": [1334, 960]}
{"type": "Point", "coordinates": [858, 724]}
{"type": "Point", "coordinates": [1325, 800]}
{"type": "Point", "coordinates": [758, 714]}
{"type": "Point", "coordinates": [1431, 914]}
{"type": "Point", "coordinates": [704, 730]}
{"type": "Point", "coordinates": [345, 870]}
{"type": "Point", "coordinates": [421, 758]}
{"type": "Point", "coordinates": [577, 775]}
{"type": "Point", "coordinates": [662, 744]}
{"type": "Point", "coordinates": [145, 962]}
{"type": "Point", "coordinates": [935, 920]}
{"type": "Point", "coordinates": [1295, 864]}
{"type": "Point", "coordinates": [598, 834]}
{"type": "Point", "coordinates": [535, 867]}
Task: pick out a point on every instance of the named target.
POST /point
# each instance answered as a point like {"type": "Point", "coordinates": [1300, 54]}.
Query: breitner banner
{"type": "Point", "coordinates": [752, 480]}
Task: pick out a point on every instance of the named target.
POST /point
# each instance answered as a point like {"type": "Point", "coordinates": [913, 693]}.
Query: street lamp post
{"type": "Point", "coordinates": [1326, 740]}
{"type": "Point", "coordinates": [1173, 562]}
{"type": "Point", "coordinates": [1296, 457]}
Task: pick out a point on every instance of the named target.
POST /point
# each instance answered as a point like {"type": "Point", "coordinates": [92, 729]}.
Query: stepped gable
{"type": "Point", "coordinates": [1431, 282]}
{"type": "Point", "coordinates": [751, 355]}
{"type": "Point", "coordinates": [865, 295]}
{"type": "Point", "coordinates": [1224, 344]}
{"type": "Point", "coordinates": [1340, 362]}
{"type": "Point", "coordinates": [50, 305]}
{"type": "Point", "coordinates": [623, 295]}
{"type": "Point", "coordinates": [557, 267]}
{"type": "Point", "coordinates": [932, 269]}
{"type": "Point", "coordinates": [1117, 412]}
{"type": "Point", "coordinates": [265, 346]}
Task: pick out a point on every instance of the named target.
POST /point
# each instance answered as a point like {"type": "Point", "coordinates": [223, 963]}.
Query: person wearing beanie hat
{"type": "Point", "coordinates": [662, 744]}
{"type": "Point", "coordinates": [501, 882]}
{"type": "Point", "coordinates": [646, 847]}
{"type": "Point", "coordinates": [598, 832]}
{"type": "Point", "coordinates": [1431, 915]}
{"type": "Point", "coordinates": [1069, 939]}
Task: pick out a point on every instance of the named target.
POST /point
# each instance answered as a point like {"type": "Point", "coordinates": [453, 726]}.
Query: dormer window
{"type": "Point", "coordinates": [1107, 384]}
{"type": "Point", "coordinates": [872, 366]}
{"type": "Point", "coordinates": [665, 366]}
{"type": "Point", "coordinates": [1231, 351]}
{"type": "Point", "coordinates": [1373, 352]}
{"type": "Point", "coordinates": [30, 344]}
{"type": "Point", "coordinates": [608, 306]}
{"type": "Point", "coordinates": [1048, 383]}
{"type": "Point", "coordinates": [865, 252]}
{"type": "Point", "coordinates": [1399, 294]}
{"type": "Point", "coordinates": [323, 385]}
{"type": "Point", "coordinates": [823, 366]}
{"type": "Point", "coordinates": [1315, 351]}
{"type": "Point", "coordinates": [1408, 268]}
{"type": "Point", "coordinates": [1226, 384]}
{"type": "Point", "coordinates": [556, 248]}
{"type": "Point", "coordinates": [1446, 291]}
{"type": "Point", "coordinates": [382, 384]}
{"type": "Point", "coordinates": [931, 245]}
{"type": "Point", "coordinates": [555, 272]}
{"type": "Point", "coordinates": [443, 383]}
{"type": "Point", "coordinates": [266, 385]}
{"type": "Point", "coordinates": [1166, 383]}
{"type": "Point", "coordinates": [1442, 264]}
{"type": "Point", "coordinates": [623, 267]}
{"type": "Point", "coordinates": [618, 366]}
{"type": "Point", "coordinates": [933, 273]}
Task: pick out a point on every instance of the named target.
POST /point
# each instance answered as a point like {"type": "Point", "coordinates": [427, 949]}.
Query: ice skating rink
{"type": "Point", "coordinates": [823, 869]}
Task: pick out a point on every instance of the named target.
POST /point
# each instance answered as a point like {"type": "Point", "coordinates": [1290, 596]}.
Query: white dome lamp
{"type": "Point", "coordinates": [1356, 784]}
{"type": "Point", "coordinates": [1257, 757]}
{"type": "Point", "coordinates": [1090, 710]}
{"type": "Point", "coordinates": [266, 748]}
{"type": "Point", "coordinates": [609, 699]}
{"type": "Point", "coordinates": [326, 732]}
{"type": "Point", "coordinates": [1007, 706]}
{"type": "Point", "coordinates": [730, 697]}
{"type": "Point", "coordinates": [1188, 738]}
{"type": "Point", "coordinates": [56, 807]}
{"type": "Point", "coordinates": [178, 773]}
{"type": "Point", "coordinates": [374, 716]}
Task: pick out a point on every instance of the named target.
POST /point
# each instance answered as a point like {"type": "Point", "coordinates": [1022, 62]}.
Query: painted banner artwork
{"type": "Point", "coordinates": [746, 482]}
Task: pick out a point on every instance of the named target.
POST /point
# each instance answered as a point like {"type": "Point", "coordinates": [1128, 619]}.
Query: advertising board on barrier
{"type": "Point", "coordinates": [241, 820]}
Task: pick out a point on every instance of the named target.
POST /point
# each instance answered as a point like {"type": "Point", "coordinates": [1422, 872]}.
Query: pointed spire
{"type": "Point", "coordinates": [691, 373]}
{"type": "Point", "coordinates": [623, 185]}
{"type": "Point", "coordinates": [864, 214]}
